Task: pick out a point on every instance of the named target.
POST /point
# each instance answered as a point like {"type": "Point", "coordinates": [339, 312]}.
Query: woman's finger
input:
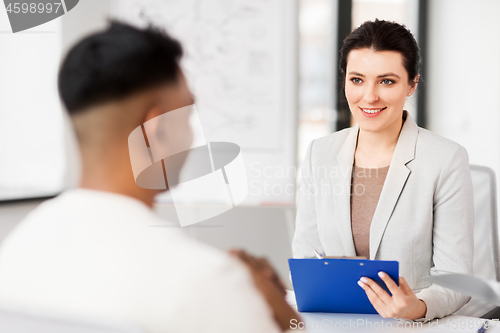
{"type": "Point", "coordinates": [391, 285]}
{"type": "Point", "coordinates": [382, 294]}
{"type": "Point", "coordinates": [374, 299]}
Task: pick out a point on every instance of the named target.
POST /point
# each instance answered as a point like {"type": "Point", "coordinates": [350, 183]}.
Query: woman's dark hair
{"type": "Point", "coordinates": [381, 35]}
{"type": "Point", "coordinates": [115, 63]}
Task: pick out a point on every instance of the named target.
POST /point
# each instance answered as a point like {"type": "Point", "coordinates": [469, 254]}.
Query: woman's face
{"type": "Point", "coordinates": [376, 88]}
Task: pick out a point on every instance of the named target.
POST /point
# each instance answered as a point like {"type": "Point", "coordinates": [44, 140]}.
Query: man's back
{"type": "Point", "coordinates": [102, 255]}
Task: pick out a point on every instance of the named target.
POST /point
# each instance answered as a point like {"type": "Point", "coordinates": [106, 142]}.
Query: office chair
{"type": "Point", "coordinates": [16, 320]}
{"type": "Point", "coordinates": [486, 246]}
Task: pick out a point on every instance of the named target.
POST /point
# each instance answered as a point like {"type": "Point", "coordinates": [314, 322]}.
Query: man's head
{"type": "Point", "coordinates": [116, 63]}
{"type": "Point", "coordinates": [112, 82]}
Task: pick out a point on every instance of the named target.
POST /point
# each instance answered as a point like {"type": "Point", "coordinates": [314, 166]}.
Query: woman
{"type": "Point", "coordinates": [386, 188]}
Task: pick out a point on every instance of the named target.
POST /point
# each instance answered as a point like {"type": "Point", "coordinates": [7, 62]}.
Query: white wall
{"type": "Point", "coordinates": [463, 76]}
{"type": "Point", "coordinates": [31, 131]}
{"type": "Point", "coordinates": [463, 70]}
{"type": "Point", "coordinates": [89, 16]}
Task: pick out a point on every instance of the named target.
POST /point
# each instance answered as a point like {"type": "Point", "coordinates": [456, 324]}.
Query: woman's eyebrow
{"type": "Point", "coordinates": [380, 76]}
{"type": "Point", "coordinates": [389, 74]}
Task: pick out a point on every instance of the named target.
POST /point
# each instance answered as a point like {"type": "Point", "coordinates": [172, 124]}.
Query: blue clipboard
{"type": "Point", "coordinates": [331, 285]}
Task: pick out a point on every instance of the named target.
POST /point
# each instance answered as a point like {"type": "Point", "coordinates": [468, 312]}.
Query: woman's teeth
{"type": "Point", "coordinates": [372, 110]}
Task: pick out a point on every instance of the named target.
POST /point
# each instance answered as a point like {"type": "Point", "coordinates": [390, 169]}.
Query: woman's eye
{"type": "Point", "coordinates": [356, 80]}
{"type": "Point", "coordinates": [387, 82]}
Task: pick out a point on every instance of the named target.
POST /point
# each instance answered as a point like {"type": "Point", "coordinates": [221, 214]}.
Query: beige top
{"type": "Point", "coordinates": [365, 191]}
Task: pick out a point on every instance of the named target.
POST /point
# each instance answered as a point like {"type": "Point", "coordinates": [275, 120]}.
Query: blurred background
{"type": "Point", "coordinates": [265, 76]}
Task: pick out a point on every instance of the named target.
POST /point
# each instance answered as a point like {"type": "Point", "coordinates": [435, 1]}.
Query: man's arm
{"type": "Point", "coordinates": [268, 283]}
{"type": "Point", "coordinates": [227, 299]}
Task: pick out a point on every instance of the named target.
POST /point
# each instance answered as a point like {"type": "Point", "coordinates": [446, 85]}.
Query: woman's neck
{"type": "Point", "coordinates": [375, 149]}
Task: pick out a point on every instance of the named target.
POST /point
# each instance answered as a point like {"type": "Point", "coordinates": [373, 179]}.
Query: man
{"type": "Point", "coordinates": [90, 252]}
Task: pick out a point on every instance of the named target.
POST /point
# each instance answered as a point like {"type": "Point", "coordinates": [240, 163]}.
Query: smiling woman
{"type": "Point", "coordinates": [377, 86]}
{"type": "Point", "coordinates": [406, 192]}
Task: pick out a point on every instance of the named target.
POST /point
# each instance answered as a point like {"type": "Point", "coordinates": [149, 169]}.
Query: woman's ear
{"type": "Point", "coordinates": [415, 83]}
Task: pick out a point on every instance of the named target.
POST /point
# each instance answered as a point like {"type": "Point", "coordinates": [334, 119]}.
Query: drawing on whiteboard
{"type": "Point", "coordinates": [233, 62]}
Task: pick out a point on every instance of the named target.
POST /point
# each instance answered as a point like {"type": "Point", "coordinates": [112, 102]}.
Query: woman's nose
{"type": "Point", "coordinates": [371, 94]}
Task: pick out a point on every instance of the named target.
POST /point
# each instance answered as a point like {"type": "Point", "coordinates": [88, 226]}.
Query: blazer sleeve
{"type": "Point", "coordinates": [453, 234]}
{"type": "Point", "coordinates": [306, 237]}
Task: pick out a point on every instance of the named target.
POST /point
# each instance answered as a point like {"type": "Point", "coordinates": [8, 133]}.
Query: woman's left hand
{"type": "Point", "coordinates": [402, 304]}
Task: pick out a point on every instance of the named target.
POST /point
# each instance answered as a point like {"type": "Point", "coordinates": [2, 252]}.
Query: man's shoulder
{"type": "Point", "coordinates": [74, 209]}
{"type": "Point", "coordinates": [76, 220]}
{"type": "Point", "coordinates": [116, 243]}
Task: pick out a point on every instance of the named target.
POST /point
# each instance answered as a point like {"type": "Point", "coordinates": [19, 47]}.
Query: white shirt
{"type": "Point", "coordinates": [96, 255]}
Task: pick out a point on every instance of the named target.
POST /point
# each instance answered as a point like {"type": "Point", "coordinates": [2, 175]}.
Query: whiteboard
{"type": "Point", "coordinates": [233, 60]}
{"type": "Point", "coordinates": [32, 151]}
{"type": "Point", "coordinates": [240, 63]}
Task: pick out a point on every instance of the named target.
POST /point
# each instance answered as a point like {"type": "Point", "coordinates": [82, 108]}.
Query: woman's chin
{"type": "Point", "coordinates": [371, 126]}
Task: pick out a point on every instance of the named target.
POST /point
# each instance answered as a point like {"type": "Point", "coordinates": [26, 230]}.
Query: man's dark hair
{"type": "Point", "coordinates": [115, 63]}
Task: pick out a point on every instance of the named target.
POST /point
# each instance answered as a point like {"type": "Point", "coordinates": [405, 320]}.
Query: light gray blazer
{"type": "Point", "coordinates": [424, 217]}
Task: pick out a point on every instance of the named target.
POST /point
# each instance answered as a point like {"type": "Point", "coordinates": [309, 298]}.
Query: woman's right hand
{"type": "Point", "coordinates": [402, 304]}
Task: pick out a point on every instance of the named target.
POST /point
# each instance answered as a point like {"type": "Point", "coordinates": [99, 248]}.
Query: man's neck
{"type": "Point", "coordinates": [142, 195]}
{"type": "Point", "coordinates": [114, 177]}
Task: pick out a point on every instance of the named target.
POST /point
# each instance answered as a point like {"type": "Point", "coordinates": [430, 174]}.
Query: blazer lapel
{"type": "Point", "coordinates": [345, 159]}
{"type": "Point", "coordinates": [395, 181]}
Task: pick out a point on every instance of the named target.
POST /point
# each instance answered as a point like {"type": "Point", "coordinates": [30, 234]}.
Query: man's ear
{"type": "Point", "coordinates": [153, 112]}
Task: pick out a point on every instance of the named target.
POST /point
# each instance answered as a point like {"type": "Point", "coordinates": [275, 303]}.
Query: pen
{"type": "Point", "coordinates": [318, 255]}
{"type": "Point", "coordinates": [483, 328]}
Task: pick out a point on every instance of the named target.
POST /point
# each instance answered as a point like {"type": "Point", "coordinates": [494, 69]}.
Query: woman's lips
{"type": "Point", "coordinates": [371, 112]}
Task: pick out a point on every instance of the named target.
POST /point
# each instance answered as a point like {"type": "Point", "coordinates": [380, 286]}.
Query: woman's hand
{"type": "Point", "coordinates": [402, 304]}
